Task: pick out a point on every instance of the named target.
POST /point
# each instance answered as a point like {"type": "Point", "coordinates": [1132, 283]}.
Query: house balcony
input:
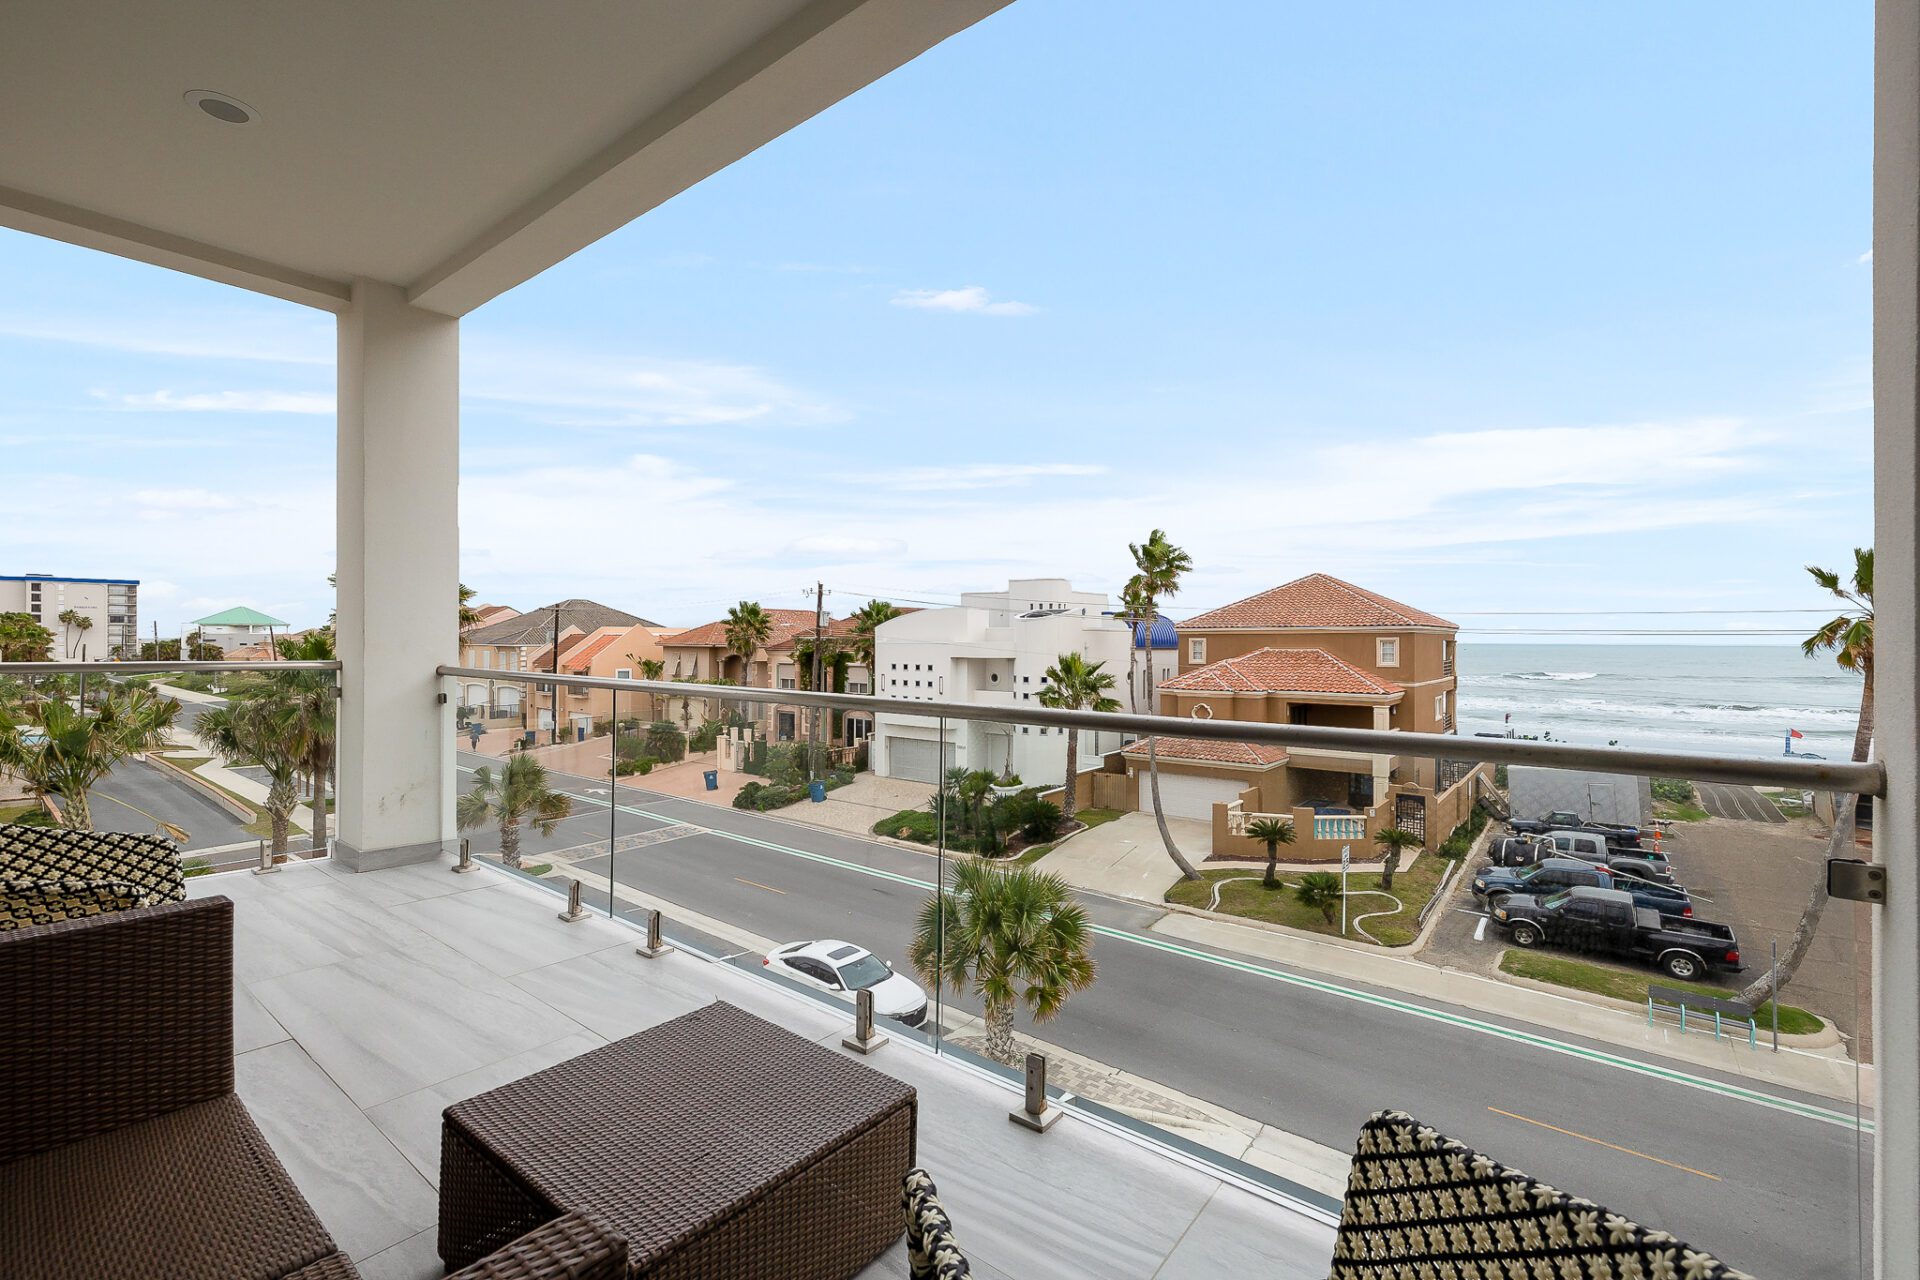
{"type": "Point", "coordinates": [366, 1004]}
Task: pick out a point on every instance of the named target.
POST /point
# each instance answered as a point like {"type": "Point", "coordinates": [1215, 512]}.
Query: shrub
{"type": "Point", "coordinates": [756, 758]}
{"type": "Point", "coordinates": [1673, 790]}
{"type": "Point", "coordinates": [705, 738]}
{"type": "Point", "coordinates": [601, 728]}
{"type": "Point", "coordinates": [639, 764]}
{"type": "Point", "coordinates": [909, 824]}
{"type": "Point", "coordinates": [860, 758]}
{"type": "Point", "coordinates": [761, 796]}
{"type": "Point", "coordinates": [665, 742]}
{"type": "Point", "coordinates": [1500, 775]}
{"type": "Point", "coordinates": [1040, 820]}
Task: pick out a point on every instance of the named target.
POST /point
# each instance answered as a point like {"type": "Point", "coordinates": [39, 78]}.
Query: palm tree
{"type": "Point", "coordinates": [1159, 567]}
{"type": "Point", "coordinates": [1272, 832]}
{"type": "Point", "coordinates": [260, 728]}
{"type": "Point", "coordinates": [469, 616]}
{"type": "Point", "coordinates": [1074, 684]}
{"type": "Point", "coordinates": [73, 748]}
{"type": "Point", "coordinates": [517, 793]}
{"type": "Point", "coordinates": [747, 628]}
{"type": "Point", "coordinates": [311, 701]}
{"type": "Point", "coordinates": [1320, 889]}
{"type": "Point", "coordinates": [71, 621]}
{"type": "Point", "coordinates": [652, 669]}
{"type": "Point", "coordinates": [1011, 935]}
{"type": "Point", "coordinates": [1849, 637]}
{"type": "Point", "coordinates": [1393, 842]}
{"type": "Point", "coordinates": [24, 640]}
{"type": "Point", "coordinates": [1136, 610]}
{"type": "Point", "coordinates": [1160, 814]}
{"type": "Point", "coordinates": [868, 619]}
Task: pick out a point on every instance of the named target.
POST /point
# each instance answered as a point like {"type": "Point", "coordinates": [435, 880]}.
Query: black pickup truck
{"type": "Point", "coordinates": [1613, 833]}
{"type": "Point", "coordinates": [1550, 875]}
{"type": "Point", "coordinates": [1608, 922]}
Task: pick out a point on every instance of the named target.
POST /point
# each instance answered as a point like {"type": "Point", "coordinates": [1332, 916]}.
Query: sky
{"type": "Point", "coordinates": [1487, 307]}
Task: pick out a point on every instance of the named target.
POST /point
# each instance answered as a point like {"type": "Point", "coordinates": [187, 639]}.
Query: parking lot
{"type": "Point", "coordinates": [1755, 874]}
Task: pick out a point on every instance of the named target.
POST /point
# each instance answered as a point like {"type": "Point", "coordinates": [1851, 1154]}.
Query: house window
{"type": "Point", "coordinates": [1387, 651]}
{"type": "Point", "coordinates": [1440, 706]}
{"type": "Point", "coordinates": [993, 676]}
{"type": "Point", "coordinates": [786, 682]}
{"type": "Point", "coordinates": [854, 686]}
{"type": "Point", "coordinates": [623, 673]}
{"type": "Point", "coordinates": [1197, 649]}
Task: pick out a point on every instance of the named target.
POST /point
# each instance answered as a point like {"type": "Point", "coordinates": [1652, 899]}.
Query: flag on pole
{"type": "Point", "coordinates": [1795, 733]}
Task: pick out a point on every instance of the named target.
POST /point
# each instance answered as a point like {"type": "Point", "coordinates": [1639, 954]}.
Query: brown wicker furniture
{"type": "Point", "coordinates": [123, 1149]}
{"type": "Point", "coordinates": [714, 1146]}
{"type": "Point", "coordinates": [49, 874]}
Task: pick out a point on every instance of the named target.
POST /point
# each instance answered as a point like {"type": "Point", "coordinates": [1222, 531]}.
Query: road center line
{"type": "Point", "coordinates": [756, 884]}
{"type": "Point", "coordinates": [1808, 1111]}
{"type": "Point", "coordinates": [1608, 1145]}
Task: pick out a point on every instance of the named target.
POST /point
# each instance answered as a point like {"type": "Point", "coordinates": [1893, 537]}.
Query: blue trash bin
{"type": "Point", "coordinates": [580, 733]}
{"type": "Point", "coordinates": [713, 779]}
{"type": "Point", "coordinates": [817, 791]}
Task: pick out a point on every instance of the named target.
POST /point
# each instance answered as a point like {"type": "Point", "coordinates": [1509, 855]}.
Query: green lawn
{"type": "Point", "coordinates": [30, 814]}
{"type": "Point", "coordinates": [1096, 817]}
{"type": "Point", "coordinates": [1250, 898]}
{"type": "Point", "coordinates": [1679, 812]}
{"type": "Point", "coordinates": [1631, 985]}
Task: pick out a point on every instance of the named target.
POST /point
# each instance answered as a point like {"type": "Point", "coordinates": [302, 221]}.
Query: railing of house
{"type": "Point", "coordinates": [1446, 667]}
{"type": "Point", "coordinates": [1238, 819]}
{"type": "Point", "coordinates": [1337, 826]}
{"type": "Point", "coordinates": [1450, 774]}
{"type": "Point", "coordinates": [1860, 778]}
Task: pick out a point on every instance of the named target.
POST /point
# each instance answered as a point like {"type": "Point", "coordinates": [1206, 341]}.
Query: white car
{"type": "Point", "coordinates": [842, 968]}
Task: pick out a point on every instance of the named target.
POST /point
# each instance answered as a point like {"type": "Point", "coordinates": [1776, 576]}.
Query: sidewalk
{"type": "Point", "coordinates": [1828, 1071]}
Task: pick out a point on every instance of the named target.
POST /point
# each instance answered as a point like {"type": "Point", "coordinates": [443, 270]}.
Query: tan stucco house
{"type": "Point", "coordinates": [1323, 652]}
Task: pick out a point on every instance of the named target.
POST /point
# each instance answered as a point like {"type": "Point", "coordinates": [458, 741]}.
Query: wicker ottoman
{"type": "Point", "coordinates": [717, 1146]}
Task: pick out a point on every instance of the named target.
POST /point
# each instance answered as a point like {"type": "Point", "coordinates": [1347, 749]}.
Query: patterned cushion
{"type": "Point", "coordinates": [50, 874]}
{"type": "Point", "coordinates": [931, 1252]}
{"type": "Point", "coordinates": [1420, 1205]}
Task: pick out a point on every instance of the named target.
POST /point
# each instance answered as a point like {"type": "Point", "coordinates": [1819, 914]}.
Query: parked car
{"type": "Point", "coordinates": [1549, 875]}
{"type": "Point", "coordinates": [1608, 922]}
{"type": "Point", "coordinates": [843, 968]}
{"type": "Point", "coordinates": [1615, 833]}
{"type": "Point", "coordinates": [1589, 847]}
{"type": "Point", "coordinates": [1524, 851]}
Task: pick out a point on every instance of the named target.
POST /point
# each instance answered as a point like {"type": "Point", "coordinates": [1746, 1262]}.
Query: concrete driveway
{"type": "Point", "coordinates": [1126, 856]}
{"type": "Point", "coordinates": [854, 808]}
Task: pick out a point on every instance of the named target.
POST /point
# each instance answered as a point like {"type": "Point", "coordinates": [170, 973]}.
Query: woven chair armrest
{"type": "Point", "coordinates": [24, 902]}
{"type": "Point", "coordinates": [573, 1247]}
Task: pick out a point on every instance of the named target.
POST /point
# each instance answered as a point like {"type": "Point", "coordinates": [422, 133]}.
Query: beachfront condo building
{"type": "Point", "coordinates": [90, 618]}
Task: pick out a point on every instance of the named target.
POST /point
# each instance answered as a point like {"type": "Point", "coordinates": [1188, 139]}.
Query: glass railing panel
{"type": "Point", "coordinates": [231, 765]}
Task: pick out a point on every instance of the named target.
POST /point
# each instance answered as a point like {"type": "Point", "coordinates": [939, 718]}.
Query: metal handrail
{"type": "Point", "coordinates": [1842, 776]}
{"type": "Point", "coordinates": [154, 668]}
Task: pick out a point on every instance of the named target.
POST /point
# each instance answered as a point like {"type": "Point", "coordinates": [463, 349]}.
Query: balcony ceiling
{"type": "Point", "coordinates": [455, 147]}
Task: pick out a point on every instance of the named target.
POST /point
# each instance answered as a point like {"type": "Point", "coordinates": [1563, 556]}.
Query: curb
{"type": "Point", "coordinates": [239, 810]}
{"type": "Point", "coordinates": [1827, 1038]}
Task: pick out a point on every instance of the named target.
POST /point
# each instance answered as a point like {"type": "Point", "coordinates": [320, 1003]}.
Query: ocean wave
{"type": "Point", "coordinates": [1547, 675]}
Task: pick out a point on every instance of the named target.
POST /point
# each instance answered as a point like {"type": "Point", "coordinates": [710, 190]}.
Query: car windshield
{"type": "Point", "coordinates": [865, 972]}
{"type": "Point", "coordinates": [1528, 873]}
{"type": "Point", "coordinates": [1557, 901]}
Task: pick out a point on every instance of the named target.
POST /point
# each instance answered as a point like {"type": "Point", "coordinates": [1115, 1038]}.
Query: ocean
{"type": "Point", "coordinates": [1733, 699]}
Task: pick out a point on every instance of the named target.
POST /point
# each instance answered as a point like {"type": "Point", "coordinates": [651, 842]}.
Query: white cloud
{"type": "Point", "coordinates": [606, 390]}
{"type": "Point", "coordinates": [1865, 258]}
{"type": "Point", "coordinates": [290, 337]}
{"type": "Point", "coordinates": [183, 500]}
{"type": "Point", "coordinates": [840, 544]}
{"type": "Point", "coordinates": [314, 402]}
{"type": "Point", "coordinates": [978, 475]}
{"type": "Point", "coordinates": [969, 298]}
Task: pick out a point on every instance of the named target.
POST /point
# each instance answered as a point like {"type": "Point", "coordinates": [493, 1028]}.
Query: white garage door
{"type": "Point", "coordinates": [1188, 795]}
{"type": "Point", "coordinates": [914, 759]}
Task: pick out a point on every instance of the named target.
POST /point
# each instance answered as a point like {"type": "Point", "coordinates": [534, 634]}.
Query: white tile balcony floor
{"type": "Point", "coordinates": [365, 1004]}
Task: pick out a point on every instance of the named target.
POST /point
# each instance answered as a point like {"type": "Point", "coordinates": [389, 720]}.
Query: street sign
{"type": "Point", "coordinates": [1346, 858]}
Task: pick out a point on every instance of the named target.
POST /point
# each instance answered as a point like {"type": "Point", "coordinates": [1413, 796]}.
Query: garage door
{"type": "Point", "coordinates": [914, 759]}
{"type": "Point", "coordinates": [1188, 795]}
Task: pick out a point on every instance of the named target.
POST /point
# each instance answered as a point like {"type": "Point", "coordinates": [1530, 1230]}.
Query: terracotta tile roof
{"type": "Point", "coordinates": [579, 660]}
{"type": "Point", "coordinates": [1315, 601]}
{"type": "Point", "coordinates": [1273, 670]}
{"type": "Point", "coordinates": [543, 660]}
{"type": "Point", "coordinates": [1209, 751]}
{"type": "Point", "coordinates": [713, 635]}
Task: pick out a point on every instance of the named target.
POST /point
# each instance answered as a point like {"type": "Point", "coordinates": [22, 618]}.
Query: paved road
{"type": "Point", "coordinates": [135, 785]}
{"type": "Point", "coordinates": [1770, 1189]}
{"type": "Point", "coordinates": [1724, 800]}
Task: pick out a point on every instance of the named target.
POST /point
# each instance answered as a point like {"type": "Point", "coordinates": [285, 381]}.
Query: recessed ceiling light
{"type": "Point", "coordinates": [221, 107]}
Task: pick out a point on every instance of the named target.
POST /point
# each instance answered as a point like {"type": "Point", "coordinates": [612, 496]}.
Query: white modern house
{"type": "Point", "coordinates": [994, 649]}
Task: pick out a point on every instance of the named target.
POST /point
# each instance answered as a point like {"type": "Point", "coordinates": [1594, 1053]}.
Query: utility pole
{"type": "Point", "coordinates": [819, 667]}
{"type": "Point", "coordinates": [556, 674]}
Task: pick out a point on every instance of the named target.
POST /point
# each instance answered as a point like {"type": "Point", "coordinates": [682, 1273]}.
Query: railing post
{"type": "Point", "coordinates": [466, 856]}
{"type": "Point", "coordinates": [864, 1039]}
{"type": "Point", "coordinates": [574, 910]}
{"type": "Point", "coordinates": [266, 866]}
{"type": "Point", "coordinates": [655, 946]}
{"type": "Point", "coordinates": [1035, 1112]}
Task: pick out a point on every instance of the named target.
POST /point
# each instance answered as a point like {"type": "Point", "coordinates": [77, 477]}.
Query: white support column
{"type": "Point", "coordinates": [1896, 484]}
{"type": "Point", "coordinates": [399, 572]}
